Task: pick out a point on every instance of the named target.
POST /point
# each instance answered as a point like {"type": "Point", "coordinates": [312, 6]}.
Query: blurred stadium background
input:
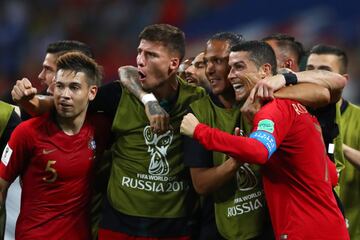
{"type": "Point", "coordinates": [111, 27]}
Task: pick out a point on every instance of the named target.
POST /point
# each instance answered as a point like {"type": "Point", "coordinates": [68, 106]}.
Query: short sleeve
{"type": "Point", "coordinates": [16, 153]}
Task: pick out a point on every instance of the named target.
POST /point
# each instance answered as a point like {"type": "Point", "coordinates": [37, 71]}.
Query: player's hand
{"type": "Point", "coordinates": [233, 164]}
{"type": "Point", "coordinates": [158, 117]}
{"type": "Point", "coordinates": [250, 108]}
{"type": "Point", "coordinates": [238, 132]}
{"type": "Point", "coordinates": [23, 91]}
{"type": "Point", "coordinates": [188, 125]}
{"type": "Point", "coordinates": [265, 88]}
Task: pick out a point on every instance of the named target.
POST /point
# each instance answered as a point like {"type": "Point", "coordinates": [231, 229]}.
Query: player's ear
{"type": "Point", "coordinates": [289, 63]}
{"type": "Point", "coordinates": [265, 70]}
{"type": "Point", "coordinates": [174, 63]}
{"type": "Point", "coordinates": [92, 92]}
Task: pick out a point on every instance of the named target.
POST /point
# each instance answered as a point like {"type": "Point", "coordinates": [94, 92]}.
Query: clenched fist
{"type": "Point", "coordinates": [188, 125]}
{"type": "Point", "coordinates": [23, 91]}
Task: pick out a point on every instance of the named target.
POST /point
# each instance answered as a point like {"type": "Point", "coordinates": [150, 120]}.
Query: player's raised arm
{"type": "Point", "coordinates": [24, 94]}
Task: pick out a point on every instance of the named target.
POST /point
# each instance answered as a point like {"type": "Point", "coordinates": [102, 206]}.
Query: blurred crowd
{"type": "Point", "coordinates": [110, 28]}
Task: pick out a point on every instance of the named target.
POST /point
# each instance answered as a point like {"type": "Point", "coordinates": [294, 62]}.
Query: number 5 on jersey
{"type": "Point", "coordinates": [51, 172]}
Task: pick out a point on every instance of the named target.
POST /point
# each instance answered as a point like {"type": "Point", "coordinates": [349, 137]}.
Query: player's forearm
{"type": "Point", "coordinates": [208, 180]}
{"type": "Point", "coordinates": [129, 78]}
{"type": "Point", "coordinates": [352, 155]}
{"type": "Point", "coordinates": [334, 82]}
{"type": "Point", "coordinates": [38, 105]}
{"type": "Point", "coordinates": [247, 149]}
{"type": "Point", "coordinates": [308, 94]}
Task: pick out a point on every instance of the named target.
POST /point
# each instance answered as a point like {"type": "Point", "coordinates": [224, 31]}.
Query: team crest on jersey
{"type": "Point", "coordinates": [245, 178]}
{"type": "Point", "coordinates": [5, 158]}
{"type": "Point", "coordinates": [92, 144]}
{"type": "Point", "coordinates": [157, 147]}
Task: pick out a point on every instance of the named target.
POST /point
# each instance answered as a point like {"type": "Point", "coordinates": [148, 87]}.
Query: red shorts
{"type": "Point", "coordinates": [105, 234]}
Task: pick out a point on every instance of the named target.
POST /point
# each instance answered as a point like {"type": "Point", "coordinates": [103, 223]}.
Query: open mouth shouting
{"type": "Point", "coordinates": [142, 76]}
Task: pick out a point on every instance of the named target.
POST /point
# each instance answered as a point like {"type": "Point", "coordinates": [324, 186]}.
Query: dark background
{"type": "Point", "coordinates": [111, 27]}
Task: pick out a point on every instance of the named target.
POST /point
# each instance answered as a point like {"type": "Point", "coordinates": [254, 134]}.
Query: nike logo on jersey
{"type": "Point", "coordinates": [48, 151]}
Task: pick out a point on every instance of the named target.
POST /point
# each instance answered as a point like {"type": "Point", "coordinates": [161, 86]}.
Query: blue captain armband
{"type": "Point", "coordinates": [267, 139]}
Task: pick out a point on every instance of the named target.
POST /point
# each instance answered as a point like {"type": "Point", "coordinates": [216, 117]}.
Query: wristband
{"type": "Point", "coordinates": [290, 78]}
{"type": "Point", "coordinates": [149, 97]}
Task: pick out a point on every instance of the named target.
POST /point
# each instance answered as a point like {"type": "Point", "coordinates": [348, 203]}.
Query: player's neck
{"type": "Point", "coordinates": [71, 126]}
{"type": "Point", "coordinates": [167, 90]}
{"type": "Point", "coordinates": [227, 99]}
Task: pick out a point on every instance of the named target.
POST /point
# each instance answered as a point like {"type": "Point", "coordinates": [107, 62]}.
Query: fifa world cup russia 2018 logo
{"type": "Point", "coordinates": [245, 178]}
{"type": "Point", "coordinates": [157, 147]}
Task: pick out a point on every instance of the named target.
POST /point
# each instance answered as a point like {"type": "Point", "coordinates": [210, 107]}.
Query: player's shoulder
{"type": "Point", "coordinates": [283, 106]}
{"type": "Point", "coordinates": [354, 108]}
{"type": "Point", "coordinates": [31, 126]}
{"type": "Point", "coordinates": [190, 89]}
{"type": "Point", "coordinates": [279, 102]}
{"type": "Point", "coordinates": [35, 122]}
{"type": "Point", "coordinates": [204, 100]}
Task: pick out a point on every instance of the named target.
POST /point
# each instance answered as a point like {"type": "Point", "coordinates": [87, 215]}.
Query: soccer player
{"type": "Point", "coordinates": [54, 154]}
{"type": "Point", "coordinates": [215, 176]}
{"type": "Point", "coordinates": [223, 182]}
{"type": "Point", "coordinates": [153, 199]}
{"type": "Point", "coordinates": [289, 54]}
{"type": "Point", "coordinates": [53, 51]}
{"type": "Point", "coordinates": [149, 192]}
{"type": "Point", "coordinates": [297, 175]}
{"type": "Point", "coordinates": [334, 59]}
{"type": "Point", "coordinates": [288, 51]}
{"type": "Point", "coordinates": [195, 73]}
{"type": "Point", "coordinates": [183, 66]}
{"type": "Point", "coordinates": [47, 75]}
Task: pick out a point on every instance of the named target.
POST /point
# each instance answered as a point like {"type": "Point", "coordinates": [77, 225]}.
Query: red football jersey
{"type": "Point", "coordinates": [56, 174]}
{"type": "Point", "coordinates": [297, 176]}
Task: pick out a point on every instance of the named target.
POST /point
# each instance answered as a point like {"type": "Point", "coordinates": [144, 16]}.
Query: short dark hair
{"type": "Point", "coordinates": [172, 37]}
{"type": "Point", "coordinates": [230, 37]}
{"type": "Point", "coordinates": [333, 50]}
{"type": "Point", "coordinates": [63, 46]}
{"type": "Point", "coordinates": [288, 43]}
{"type": "Point", "coordinates": [260, 53]}
{"type": "Point", "coordinates": [79, 62]}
